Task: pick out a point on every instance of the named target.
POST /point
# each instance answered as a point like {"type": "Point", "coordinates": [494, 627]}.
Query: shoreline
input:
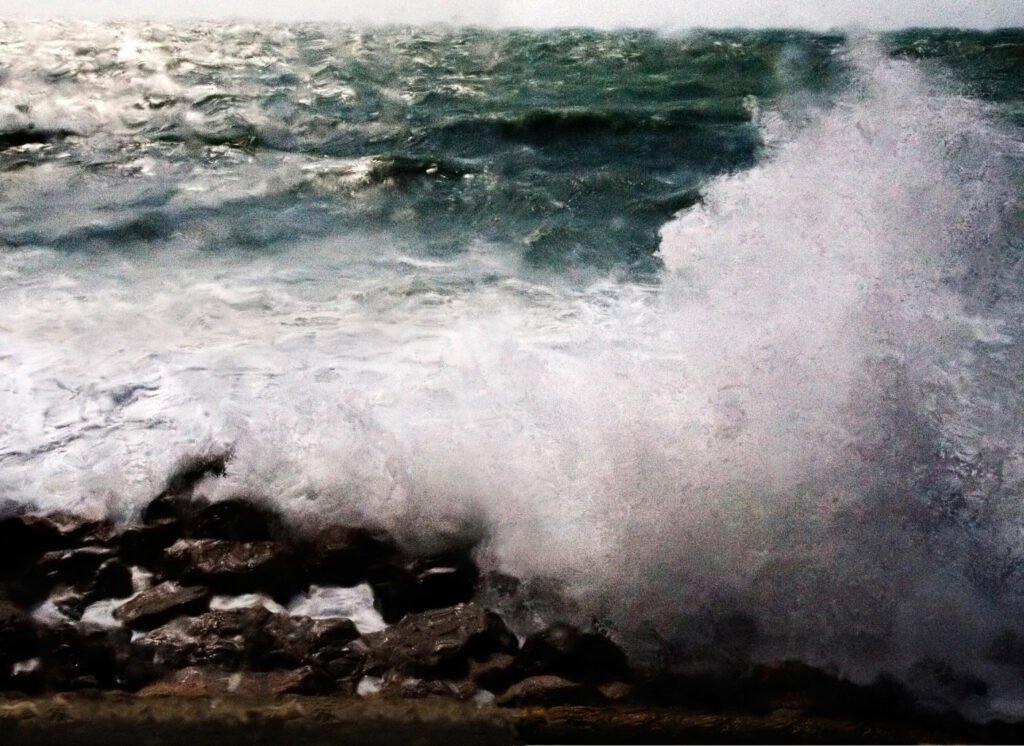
{"type": "Point", "coordinates": [165, 664]}
{"type": "Point", "coordinates": [112, 718]}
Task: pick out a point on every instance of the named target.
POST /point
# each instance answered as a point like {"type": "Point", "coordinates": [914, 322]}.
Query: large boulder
{"type": "Point", "coordinates": [251, 638]}
{"type": "Point", "coordinates": [563, 650]}
{"type": "Point", "coordinates": [439, 643]}
{"type": "Point", "coordinates": [223, 638]}
{"type": "Point", "coordinates": [162, 603]}
{"type": "Point", "coordinates": [235, 567]}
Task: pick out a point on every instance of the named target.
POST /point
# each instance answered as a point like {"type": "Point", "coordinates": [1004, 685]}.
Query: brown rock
{"type": "Point", "coordinates": [235, 519]}
{"type": "Point", "coordinates": [161, 603]}
{"type": "Point", "coordinates": [235, 567]}
{"type": "Point", "coordinates": [220, 638]}
{"type": "Point", "coordinates": [202, 682]}
{"type": "Point", "coordinates": [548, 691]}
{"type": "Point", "coordinates": [403, 687]}
{"type": "Point", "coordinates": [345, 556]}
{"type": "Point", "coordinates": [439, 643]}
{"type": "Point", "coordinates": [252, 638]}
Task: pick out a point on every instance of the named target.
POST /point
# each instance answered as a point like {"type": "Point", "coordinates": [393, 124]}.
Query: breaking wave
{"type": "Point", "coordinates": [805, 438]}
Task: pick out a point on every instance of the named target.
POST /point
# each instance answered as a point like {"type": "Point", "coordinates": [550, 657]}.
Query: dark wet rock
{"type": "Point", "coordinates": [406, 687]}
{"type": "Point", "coordinates": [439, 643]}
{"type": "Point", "coordinates": [424, 583]}
{"type": "Point", "coordinates": [73, 566]}
{"type": "Point", "coordinates": [177, 507]}
{"type": "Point", "coordinates": [235, 567]}
{"type": "Point", "coordinates": [77, 577]}
{"type": "Point", "coordinates": [548, 691]}
{"type": "Point", "coordinates": [78, 531]}
{"type": "Point", "coordinates": [23, 539]}
{"type": "Point", "coordinates": [395, 592]}
{"type": "Point", "coordinates": [337, 662]}
{"type": "Point", "coordinates": [204, 682]}
{"type": "Point", "coordinates": [69, 601]}
{"type": "Point", "coordinates": [444, 580]}
{"type": "Point", "coordinates": [26, 538]}
{"type": "Point", "coordinates": [144, 545]}
{"type": "Point", "coordinates": [330, 632]}
{"type": "Point", "coordinates": [252, 638]}
{"type": "Point", "coordinates": [17, 634]}
{"type": "Point", "coordinates": [113, 579]}
{"type": "Point", "coordinates": [563, 650]}
{"type": "Point", "coordinates": [86, 657]}
{"type": "Point", "coordinates": [223, 638]}
{"type": "Point", "coordinates": [495, 673]}
{"type": "Point", "coordinates": [346, 556]}
{"type": "Point", "coordinates": [162, 603]}
{"type": "Point", "coordinates": [235, 519]}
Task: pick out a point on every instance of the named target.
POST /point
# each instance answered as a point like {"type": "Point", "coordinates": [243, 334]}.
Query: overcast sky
{"type": "Point", "coordinates": [601, 13]}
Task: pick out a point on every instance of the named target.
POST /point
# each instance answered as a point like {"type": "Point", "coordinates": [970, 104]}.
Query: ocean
{"type": "Point", "coordinates": [714, 339]}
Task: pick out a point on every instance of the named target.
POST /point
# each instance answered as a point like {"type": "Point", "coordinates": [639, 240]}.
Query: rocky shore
{"type": "Point", "coordinates": [185, 625]}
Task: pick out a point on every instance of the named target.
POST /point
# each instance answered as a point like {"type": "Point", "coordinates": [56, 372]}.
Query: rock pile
{"type": "Point", "coordinates": [190, 601]}
{"type": "Point", "coordinates": [193, 600]}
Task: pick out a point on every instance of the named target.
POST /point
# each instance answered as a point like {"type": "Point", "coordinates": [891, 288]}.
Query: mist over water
{"type": "Point", "coordinates": [785, 422]}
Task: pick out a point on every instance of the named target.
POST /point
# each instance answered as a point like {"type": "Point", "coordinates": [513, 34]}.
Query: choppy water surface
{"type": "Point", "coordinates": [711, 333]}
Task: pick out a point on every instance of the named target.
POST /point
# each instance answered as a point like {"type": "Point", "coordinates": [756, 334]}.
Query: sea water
{"type": "Point", "coordinates": [713, 337]}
